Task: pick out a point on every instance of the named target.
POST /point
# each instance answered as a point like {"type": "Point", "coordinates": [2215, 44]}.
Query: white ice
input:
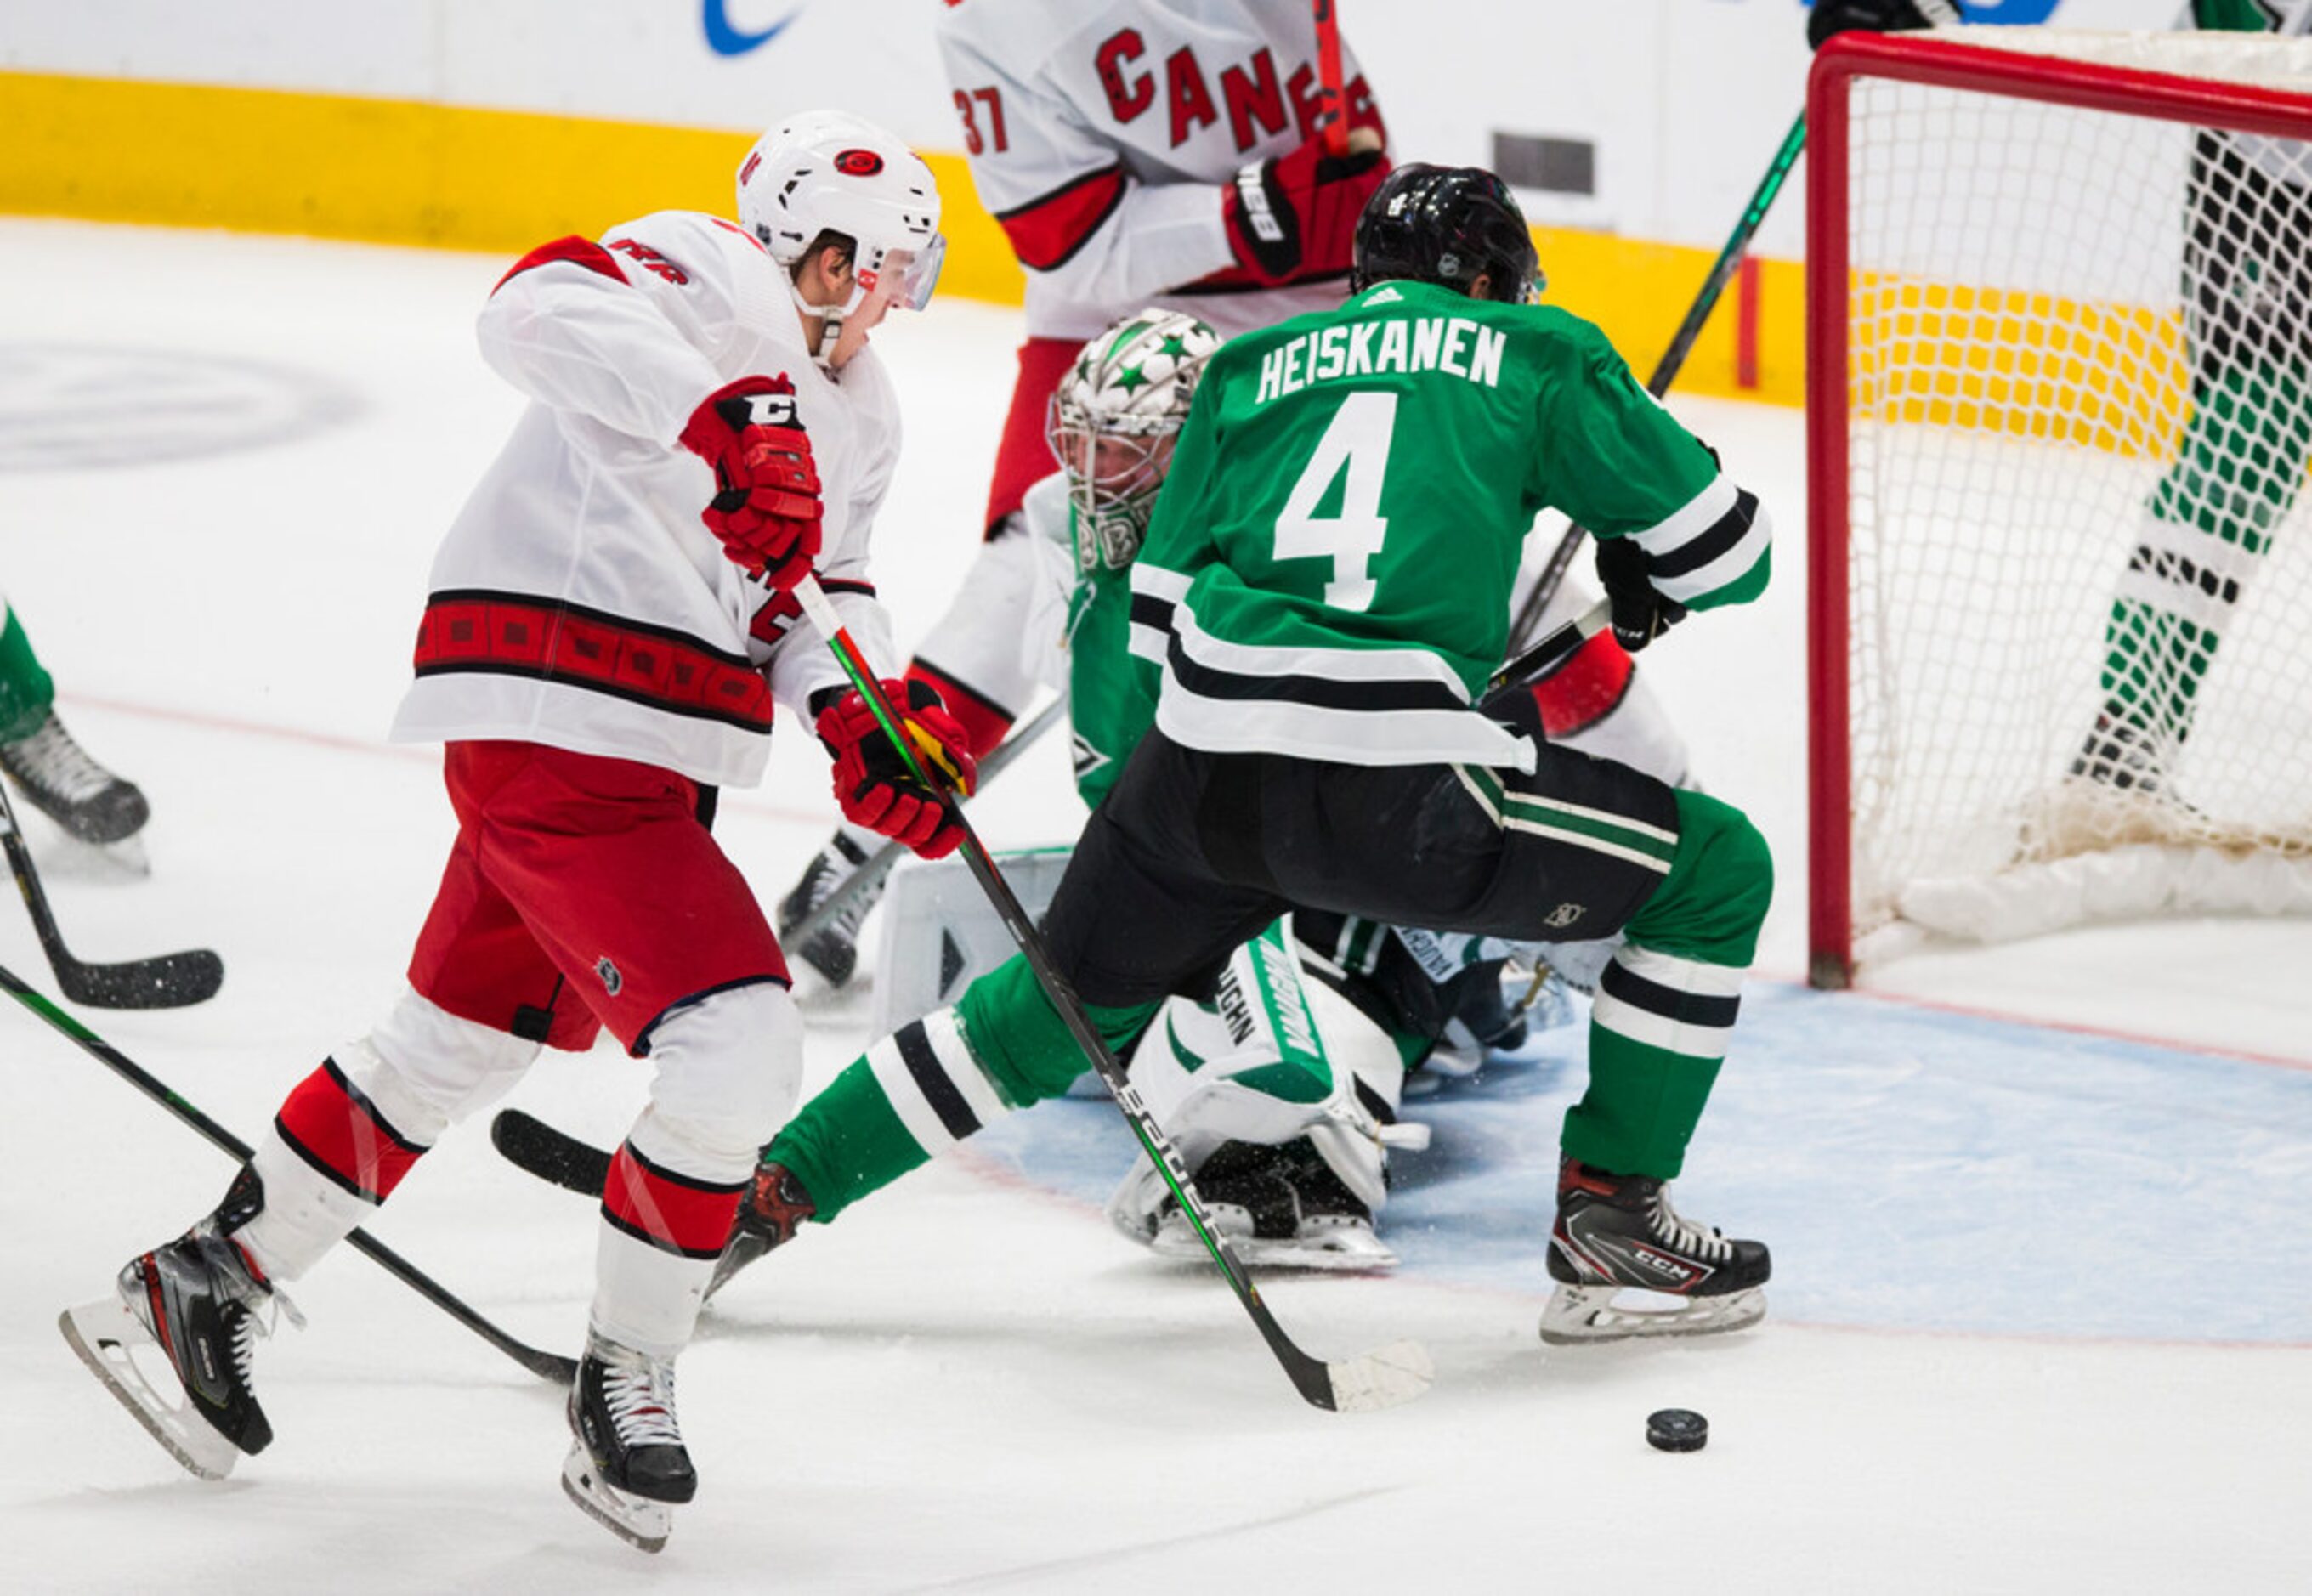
{"type": "Point", "coordinates": [969, 1383]}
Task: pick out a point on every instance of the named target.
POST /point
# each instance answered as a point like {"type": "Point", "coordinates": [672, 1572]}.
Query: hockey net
{"type": "Point", "coordinates": [2060, 587]}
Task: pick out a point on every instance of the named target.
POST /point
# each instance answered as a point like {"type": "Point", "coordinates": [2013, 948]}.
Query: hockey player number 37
{"type": "Point", "coordinates": [1359, 438]}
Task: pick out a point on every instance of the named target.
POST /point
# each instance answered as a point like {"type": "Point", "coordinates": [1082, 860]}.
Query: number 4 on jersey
{"type": "Point", "coordinates": [1358, 439]}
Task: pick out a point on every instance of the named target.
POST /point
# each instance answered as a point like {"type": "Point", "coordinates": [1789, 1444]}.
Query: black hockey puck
{"type": "Point", "coordinates": [1676, 1429]}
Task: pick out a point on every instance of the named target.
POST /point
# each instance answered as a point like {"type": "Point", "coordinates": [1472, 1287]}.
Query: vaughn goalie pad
{"type": "Point", "coordinates": [941, 933]}
{"type": "Point", "coordinates": [1267, 1060]}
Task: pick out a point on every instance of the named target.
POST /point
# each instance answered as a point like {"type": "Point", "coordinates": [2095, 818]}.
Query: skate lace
{"type": "Point", "coordinates": [261, 1312]}
{"type": "Point", "coordinates": [1699, 1240]}
{"type": "Point", "coordinates": [641, 1401]}
{"type": "Point", "coordinates": [50, 759]}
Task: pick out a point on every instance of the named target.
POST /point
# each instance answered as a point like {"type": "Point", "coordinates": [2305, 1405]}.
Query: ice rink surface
{"type": "Point", "coordinates": [2039, 1319]}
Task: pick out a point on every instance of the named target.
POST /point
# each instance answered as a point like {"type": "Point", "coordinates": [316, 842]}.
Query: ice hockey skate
{"type": "Point", "coordinates": [1618, 1232]}
{"type": "Point", "coordinates": [770, 1215]}
{"type": "Point", "coordinates": [833, 952]}
{"type": "Point", "coordinates": [58, 778]}
{"type": "Point", "coordinates": [194, 1305]}
{"type": "Point", "coordinates": [627, 1467]}
{"type": "Point", "coordinates": [1279, 1207]}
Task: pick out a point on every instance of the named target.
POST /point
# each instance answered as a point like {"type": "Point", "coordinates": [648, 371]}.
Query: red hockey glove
{"type": "Point", "coordinates": [1296, 217]}
{"type": "Point", "coordinates": [871, 781]}
{"type": "Point", "coordinates": [766, 509]}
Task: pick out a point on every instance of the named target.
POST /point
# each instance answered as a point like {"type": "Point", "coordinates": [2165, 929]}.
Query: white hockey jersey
{"type": "Point", "coordinates": [578, 600]}
{"type": "Point", "coordinates": [1101, 131]}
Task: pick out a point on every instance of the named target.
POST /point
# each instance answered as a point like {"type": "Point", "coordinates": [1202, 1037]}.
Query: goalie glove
{"type": "Point", "coordinates": [1642, 611]}
{"type": "Point", "coordinates": [1879, 16]}
{"type": "Point", "coordinates": [874, 784]}
{"type": "Point", "coordinates": [766, 509]}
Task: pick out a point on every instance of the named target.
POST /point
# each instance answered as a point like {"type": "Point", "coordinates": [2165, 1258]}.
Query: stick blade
{"type": "Point", "coordinates": [171, 980]}
{"type": "Point", "coordinates": [531, 1144]}
{"type": "Point", "coordinates": [1386, 1377]}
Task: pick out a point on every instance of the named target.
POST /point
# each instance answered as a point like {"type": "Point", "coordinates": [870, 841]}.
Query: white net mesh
{"type": "Point", "coordinates": [2079, 422]}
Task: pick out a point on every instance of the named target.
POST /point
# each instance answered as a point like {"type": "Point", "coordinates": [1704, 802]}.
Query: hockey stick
{"type": "Point", "coordinates": [1673, 360]}
{"type": "Point", "coordinates": [882, 862]}
{"type": "Point", "coordinates": [561, 1159]}
{"type": "Point", "coordinates": [166, 981]}
{"type": "Point", "coordinates": [1382, 1378]}
{"type": "Point", "coordinates": [1332, 99]}
{"type": "Point", "coordinates": [1551, 651]}
{"type": "Point", "coordinates": [547, 1366]}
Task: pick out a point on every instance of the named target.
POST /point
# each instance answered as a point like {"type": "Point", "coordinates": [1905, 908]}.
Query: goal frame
{"type": "Point", "coordinates": [1938, 62]}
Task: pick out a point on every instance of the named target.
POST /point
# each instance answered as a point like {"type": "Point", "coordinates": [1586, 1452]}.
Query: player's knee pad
{"type": "Point", "coordinates": [425, 1068]}
{"type": "Point", "coordinates": [728, 1068]}
{"type": "Point", "coordinates": [1710, 907]}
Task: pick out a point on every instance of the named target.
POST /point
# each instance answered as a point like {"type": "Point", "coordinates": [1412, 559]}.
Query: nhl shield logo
{"type": "Point", "coordinates": [611, 980]}
{"type": "Point", "coordinates": [1563, 916]}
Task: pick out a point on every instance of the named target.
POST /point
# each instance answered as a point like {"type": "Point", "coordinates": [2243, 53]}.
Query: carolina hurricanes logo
{"type": "Point", "coordinates": [859, 163]}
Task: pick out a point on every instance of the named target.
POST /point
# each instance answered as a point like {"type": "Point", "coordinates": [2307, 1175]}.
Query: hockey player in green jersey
{"type": "Point", "coordinates": [2239, 468]}
{"type": "Point", "coordinates": [52, 772]}
{"type": "Point", "coordinates": [1323, 591]}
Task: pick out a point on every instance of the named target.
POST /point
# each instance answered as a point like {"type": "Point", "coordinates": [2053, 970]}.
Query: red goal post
{"type": "Point", "coordinates": [2044, 72]}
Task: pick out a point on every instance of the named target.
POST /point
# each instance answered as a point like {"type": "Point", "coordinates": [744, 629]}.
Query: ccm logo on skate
{"type": "Point", "coordinates": [1670, 1268]}
{"type": "Point", "coordinates": [859, 163]}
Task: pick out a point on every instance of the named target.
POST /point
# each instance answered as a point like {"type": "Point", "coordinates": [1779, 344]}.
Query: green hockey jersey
{"type": "Point", "coordinates": [1328, 572]}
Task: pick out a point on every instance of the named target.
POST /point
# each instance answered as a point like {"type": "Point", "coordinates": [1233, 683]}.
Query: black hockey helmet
{"type": "Point", "coordinates": [1446, 225]}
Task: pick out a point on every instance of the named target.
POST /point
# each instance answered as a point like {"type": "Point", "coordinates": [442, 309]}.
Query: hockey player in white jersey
{"type": "Point", "coordinates": [609, 626]}
{"type": "Point", "coordinates": [1136, 152]}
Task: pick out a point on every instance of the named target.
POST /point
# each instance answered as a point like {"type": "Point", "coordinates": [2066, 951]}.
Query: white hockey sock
{"type": "Point", "coordinates": [305, 1214]}
{"type": "Point", "coordinates": [646, 1297]}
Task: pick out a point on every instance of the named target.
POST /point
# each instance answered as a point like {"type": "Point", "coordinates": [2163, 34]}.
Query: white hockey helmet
{"type": "Point", "coordinates": [1112, 421]}
{"type": "Point", "coordinates": [830, 171]}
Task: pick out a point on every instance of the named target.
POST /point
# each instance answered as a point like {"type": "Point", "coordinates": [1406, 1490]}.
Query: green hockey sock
{"type": "Point", "coordinates": [934, 1083]}
{"type": "Point", "coordinates": [1666, 1006]}
{"type": "Point", "coordinates": [2238, 471]}
{"type": "Point", "coordinates": [26, 691]}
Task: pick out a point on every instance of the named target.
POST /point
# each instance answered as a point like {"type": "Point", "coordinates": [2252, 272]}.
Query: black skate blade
{"type": "Point", "coordinates": [107, 1358]}
{"type": "Point", "coordinates": [641, 1523]}
{"type": "Point", "coordinates": [169, 980]}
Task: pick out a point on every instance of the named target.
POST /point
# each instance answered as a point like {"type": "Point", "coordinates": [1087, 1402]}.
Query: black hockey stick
{"type": "Point", "coordinates": [556, 1156]}
{"type": "Point", "coordinates": [547, 1366]}
{"type": "Point", "coordinates": [1382, 1378]}
{"type": "Point", "coordinates": [166, 981]}
{"type": "Point", "coordinates": [1673, 360]}
{"type": "Point", "coordinates": [559, 1158]}
{"type": "Point", "coordinates": [882, 862]}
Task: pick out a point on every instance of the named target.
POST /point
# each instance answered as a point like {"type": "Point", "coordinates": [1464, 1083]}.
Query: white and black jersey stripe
{"type": "Point", "coordinates": [1361, 706]}
{"type": "Point", "coordinates": [1702, 553]}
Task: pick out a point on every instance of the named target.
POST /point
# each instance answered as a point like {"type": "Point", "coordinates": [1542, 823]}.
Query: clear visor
{"type": "Point", "coordinates": [906, 277]}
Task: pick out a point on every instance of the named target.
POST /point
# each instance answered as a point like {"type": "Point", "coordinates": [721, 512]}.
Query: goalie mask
{"type": "Point", "coordinates": [1113, 422]}
{"type": "Point", "coordinates": [831, 171]}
